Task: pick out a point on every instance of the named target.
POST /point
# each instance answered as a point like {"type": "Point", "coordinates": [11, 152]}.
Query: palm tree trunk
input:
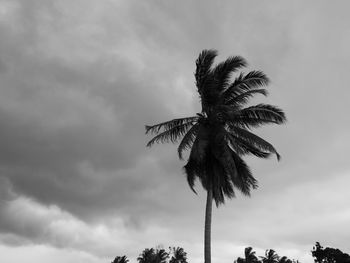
{"type": "Point", "coordinates": [207, 227]}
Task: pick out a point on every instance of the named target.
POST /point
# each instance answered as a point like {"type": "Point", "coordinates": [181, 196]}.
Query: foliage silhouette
{"type": "Point", "coordinates": [178, 255]}
{"type": "Point", "coordinates": [320, 254]}
{"type": "Point", "coordinates": [329, 255]}
{"type": "Point", "coordinates": [270, 257]}
{"type": "Point", "coordinates": [151, 255]}
{"type": "Point", "coordinates": [284, 259]}
{"type": "Point", "coordinates": [220, 135]}
{"type": "Point", "coordinates": [249, 256]}
{"type": "Point", "coordinates": [119, 259]}
{"type": "Point", "coordinates": [157, 255]}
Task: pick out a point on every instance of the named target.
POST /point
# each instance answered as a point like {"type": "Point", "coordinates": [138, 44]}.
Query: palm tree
{"type": "Point", "coordinates": [249, 256]}
{"type": "Point", "coordinates": [270, 257]}
{"type": "Point", "coordinates": [179, 255]}
{"type": "Point", "coordinates": [151, 255]}
{"type": "Point", "coordinates": [219, 135]}
{"type": "Point", "coordinates": [119, 259]}
{"type": "Point", "coordinates": [161, 256]}
{"type": "Point", "coordinates": [147, 256]}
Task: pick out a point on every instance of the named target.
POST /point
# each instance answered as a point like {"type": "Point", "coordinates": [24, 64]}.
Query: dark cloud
{"type": "Point", "coordinates": [79, 84]}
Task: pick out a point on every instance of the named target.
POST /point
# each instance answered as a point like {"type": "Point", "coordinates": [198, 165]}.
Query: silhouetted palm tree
{"type": "Point", "coordinates": [151, 255]}
{"type": "Point", "coordinates": [161, 256]}
{"type": "Point", "coordinates": [122, 259]}
{"type": "Point", "coordinates": [147, 256]}
{"type": "Point", "coordinates": [179, 255]}
{"type": "Point", "coordinates": [249, 256]}
{"type": "Point", "coordinates": [270, 256]}
{"type": "Point", "coordinates": [220, 134]}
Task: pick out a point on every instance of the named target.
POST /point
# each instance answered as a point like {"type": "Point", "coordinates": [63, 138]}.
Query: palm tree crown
{"type": "Point", "coordinates": [270, 257]}
{"type": "Point", "coordinates": [179, 255]}
{"type": "Point", "coordinates": [220, 135]}
{"type": "Point", "coordinates": [249, 256]}
{"type": "Point", "coordinates": [120, 259]}
{"type": "Point", "coordinates": [151, 255]}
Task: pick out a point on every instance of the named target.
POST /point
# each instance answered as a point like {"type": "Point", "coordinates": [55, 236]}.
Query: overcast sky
{"type": "Point", "coordinates": [80, 79]}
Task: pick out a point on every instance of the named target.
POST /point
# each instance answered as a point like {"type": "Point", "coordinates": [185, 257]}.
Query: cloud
{"type": "Point", "coordinates": [42, 253]}
{"type": "Point", "coordinates": [67, 110]}
{"type": "Point", "coordinates": [80, 80]}
{"type": "Point", "coordinates": [28, 222]}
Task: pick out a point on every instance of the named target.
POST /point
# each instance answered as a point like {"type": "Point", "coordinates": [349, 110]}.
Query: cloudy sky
{"type": "Point", "coordinates": [80, 79]}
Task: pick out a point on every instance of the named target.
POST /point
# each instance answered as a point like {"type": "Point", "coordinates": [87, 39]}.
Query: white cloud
{"type": "Point", "coordinates": [31, 223]}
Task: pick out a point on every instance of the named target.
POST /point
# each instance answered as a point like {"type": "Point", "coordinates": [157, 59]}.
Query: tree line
{"type": "Point", "coordinates": [158, 255]}
{"type": "Point", "coordinates": [178, 255]}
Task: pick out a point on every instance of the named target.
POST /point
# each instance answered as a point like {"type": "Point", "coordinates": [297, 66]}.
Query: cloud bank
{"type": "Point", "coordinates": [79, 80]}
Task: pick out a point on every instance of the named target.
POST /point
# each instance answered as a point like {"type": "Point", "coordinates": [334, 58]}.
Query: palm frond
{"type": "Point", "coordinates": [241, 147]}
{"type": "Point", "coordinates": [243, 98]}
{"type": "Point", "coordinates": [120, 259]}
{"type": "Point", "coordinates": [245, 180]}
{"type": "Point", "coordinates": [203, 66]}
{"type": "Point", "coordinates": [221, 183]}
{"type": "Point", "coordinates": [161, 256]}
{"type": "Point", "coordinates": [270, 256]}
{"type": "Point", "coordinates": [250, 255]}
{"type": "Point", "coordinates": [171, 135]}
{"type": "Point", "coordinates": [188, 140]}
{"type": "Point", "coordinates": [179, 255]}
{"type": "Point", "coordinates": [147, 255]}
{"type": "Point", "coordinates": [254, 141]}
{"type": "Point", "coordinates": [229, 170]}
{"type": "Point", "coordinates": [250, 149]}
{"type": "Point", "coordinates": [221, 150]}
{"type": "Point", "coordinates": [222, 72]}
{"type": "Point", "coordinates": [191, 170]}
{"type": "Point", "coordinates": [257, 115]}
{"type": "Point", "coordinates": [243, 83]}
{"type": "Point", "coordinates": [196, 165]}
{"type": "Point", "coordinates": [155, 129]}
{"type": "Point", "coordinates": [233, 143]}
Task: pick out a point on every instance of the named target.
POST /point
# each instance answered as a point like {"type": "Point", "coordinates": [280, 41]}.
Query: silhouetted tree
{"type": "Point", "coordinates": [249, 256]}
{"type": "Point", "coordinates": [147, 256]}
{"type": "Point", "coordinates": [270, 256]}
{"type": "Point", "coordinates": [329, 255]}
{"type": "Point", "coordinates": [178, 255]}
{"type": "Point", "coordinates": [119, 259]}
{"type": "Point", "coordinates": [151, 255]}
{"type": "Point", "coordinates": [220, 134]}
{"type": "Point", "coordinates": [161, 256]}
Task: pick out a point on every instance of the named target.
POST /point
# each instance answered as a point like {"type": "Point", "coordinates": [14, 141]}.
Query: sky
{"type": "Point", "coordinates": [80, 79]}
